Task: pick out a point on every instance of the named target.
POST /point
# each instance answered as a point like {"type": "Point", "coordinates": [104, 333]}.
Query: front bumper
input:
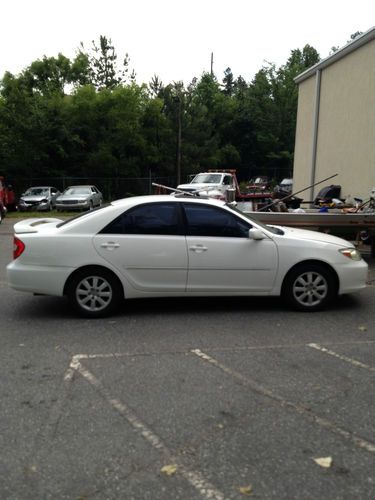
{"type": "Point", "coordinates": [29, 207]}
{"type": "Point", "coordinates": [85, 205]}
{"type": "Point", "coordinates": [353, 277]}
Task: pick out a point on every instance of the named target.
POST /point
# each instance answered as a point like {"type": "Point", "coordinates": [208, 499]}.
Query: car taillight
{"type": "Point", "coordinates": [18, 247]}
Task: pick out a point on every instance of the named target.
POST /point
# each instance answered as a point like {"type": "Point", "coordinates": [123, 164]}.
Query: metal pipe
{"type": "Point", "coordinates": [315, 131]}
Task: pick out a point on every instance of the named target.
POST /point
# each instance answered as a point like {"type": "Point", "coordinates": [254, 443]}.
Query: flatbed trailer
{"type": "Point", "coordinates": [345, 224]}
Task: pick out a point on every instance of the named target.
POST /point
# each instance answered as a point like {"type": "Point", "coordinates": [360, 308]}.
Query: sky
{"type": "Point", "coordinates": [174, 39]}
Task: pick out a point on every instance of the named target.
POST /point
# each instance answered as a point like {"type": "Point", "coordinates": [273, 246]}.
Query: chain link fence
{"type": "Point", "coordinates": [112, 188]}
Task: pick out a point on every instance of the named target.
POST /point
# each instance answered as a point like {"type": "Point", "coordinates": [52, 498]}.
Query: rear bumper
{"type": "Point", "coordinates": [37, 279]}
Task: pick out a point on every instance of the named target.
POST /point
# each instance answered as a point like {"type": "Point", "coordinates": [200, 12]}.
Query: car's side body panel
{"type": "Point", "coordinates": [231, 264]}
{"type": "Point", "coordinates": [147, 262]}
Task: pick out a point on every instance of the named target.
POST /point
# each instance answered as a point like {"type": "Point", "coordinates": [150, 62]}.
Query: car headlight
{"type": "Point", "coordinates": [351, 253]}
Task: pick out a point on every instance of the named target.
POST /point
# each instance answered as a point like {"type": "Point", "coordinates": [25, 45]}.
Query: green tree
{"type": "Point", "coordinates": [104, 71]}
{"type": "Point", "coordinates": [228, 82]}
{"type": "Point", "coordinates": [156, 86]}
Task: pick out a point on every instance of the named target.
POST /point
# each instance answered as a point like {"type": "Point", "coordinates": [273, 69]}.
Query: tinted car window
{"type": "Point", "coordinates": [151, 218]}
{"type": "Point", "coordinates": [205, 220]}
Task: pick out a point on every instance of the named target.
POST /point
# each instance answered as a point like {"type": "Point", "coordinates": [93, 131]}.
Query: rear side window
{"type": "Point", "coordinates": [150, 218]}
{"type": "Point", "coordinates": [205, 220]}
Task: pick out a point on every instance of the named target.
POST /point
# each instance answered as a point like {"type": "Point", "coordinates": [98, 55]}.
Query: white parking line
{"type": "Point", "coordinates": [323, 422]}
{"type": "Point", "coordinates": [204, 488]}
{"type": "Point", "coordinates": [352, 361]}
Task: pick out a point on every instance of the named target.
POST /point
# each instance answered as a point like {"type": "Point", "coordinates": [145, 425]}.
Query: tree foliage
{"type": "Point", "coordinates": [89, 117]}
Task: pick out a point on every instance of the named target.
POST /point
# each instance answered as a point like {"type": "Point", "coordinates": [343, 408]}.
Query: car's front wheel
{"type": "Point", "coordinates": [94, 292]}
{"type": "Point", "coordinates": [309, 287]}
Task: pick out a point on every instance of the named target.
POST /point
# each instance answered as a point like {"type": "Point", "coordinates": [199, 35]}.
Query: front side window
{"type": "Point", "coordinates": [205, 220]}
{"type": "Point", "coordinates": [150, 218]}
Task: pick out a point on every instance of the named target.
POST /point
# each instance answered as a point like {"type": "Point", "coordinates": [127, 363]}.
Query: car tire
{"type": "Point", "coordinates": [95, 292]}
{"type": "Point", "coordinates": [309, 287]}
{"type": "Point", "coordinates": [91, 206]}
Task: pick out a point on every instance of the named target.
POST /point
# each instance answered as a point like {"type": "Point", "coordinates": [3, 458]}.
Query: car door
{"type": "Point", "coordinates": [222, 257]}
{"type": "Point", "coordinates": [147, 245]}
{"type": "Point", "coordinates": [54, 194]}
{"type": "Point", "coordinates": [95, 197]}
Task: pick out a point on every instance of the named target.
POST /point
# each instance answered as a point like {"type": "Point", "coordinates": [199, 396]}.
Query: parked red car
{"type": "Point", "coordinates": [260, 183]}
{"type": "Point", "coordinates": [2, 211]}
{"type": "Point", "coordinates": [7, 195]}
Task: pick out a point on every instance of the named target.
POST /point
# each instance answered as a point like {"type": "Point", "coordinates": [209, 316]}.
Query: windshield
{"type": "Point", "coordinates": [37, 191]}
{"type": "Point", "coordinates": [271, 229]}
{"type": "Point", "coordinates": [207, 179]}
{"type": "Point", "coordinates": [77, 190]}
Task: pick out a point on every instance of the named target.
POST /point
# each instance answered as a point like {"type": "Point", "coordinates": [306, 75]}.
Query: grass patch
{"type": "Point", "coordinates": [39, 214]}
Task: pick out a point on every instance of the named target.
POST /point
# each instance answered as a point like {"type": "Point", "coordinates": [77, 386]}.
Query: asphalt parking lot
{"type": "Point", "coordinates": [194, 399]}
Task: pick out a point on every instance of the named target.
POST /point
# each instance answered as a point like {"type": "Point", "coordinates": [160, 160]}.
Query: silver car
{"type": "Point", "coordinates": [79, 198]}
{"type": "Point", "coordinates": [38, 198]}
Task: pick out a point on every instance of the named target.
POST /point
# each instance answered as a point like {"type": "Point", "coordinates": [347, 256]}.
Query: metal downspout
{"type": "Point", "coordinates": [315, 132]}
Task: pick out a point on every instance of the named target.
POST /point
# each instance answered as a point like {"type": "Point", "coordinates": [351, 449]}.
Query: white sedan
{"type": "Point", "coordinates": [79, 198]}
{"type": "Point", "coordinates": [163, 246]}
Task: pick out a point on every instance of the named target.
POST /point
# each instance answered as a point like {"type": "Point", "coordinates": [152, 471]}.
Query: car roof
{"type": "Point", "coordinates": [80, 186]}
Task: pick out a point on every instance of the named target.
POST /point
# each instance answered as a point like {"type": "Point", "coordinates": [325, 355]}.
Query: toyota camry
{"type": "Point", "coordinates": [171, 246]}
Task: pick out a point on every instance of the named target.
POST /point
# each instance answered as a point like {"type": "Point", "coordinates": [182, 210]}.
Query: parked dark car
{"type": "Point", "coordinates": [327, 194]}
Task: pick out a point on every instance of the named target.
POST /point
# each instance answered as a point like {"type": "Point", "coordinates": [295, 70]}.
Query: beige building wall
{"type": "Point", "coordinates": [346, 125]}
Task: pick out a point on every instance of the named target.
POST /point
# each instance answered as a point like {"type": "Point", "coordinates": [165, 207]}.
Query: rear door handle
{"type": "Point", "coordinates": [110, 245]}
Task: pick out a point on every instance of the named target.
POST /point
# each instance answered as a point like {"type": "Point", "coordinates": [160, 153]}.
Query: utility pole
{"type": "Point", "coordinates": [179, 141]}
{"type": "Point", "coordinates": [212, 63]}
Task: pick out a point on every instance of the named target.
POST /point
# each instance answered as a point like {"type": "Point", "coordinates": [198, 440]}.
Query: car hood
{"type": "Point", "coordinates": [308, 235]}
{"type": "Point", "coordinates": [34, 198]}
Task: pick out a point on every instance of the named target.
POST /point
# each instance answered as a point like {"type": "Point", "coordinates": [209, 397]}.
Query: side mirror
{"type": "Point", "coordinates": [256, 234]}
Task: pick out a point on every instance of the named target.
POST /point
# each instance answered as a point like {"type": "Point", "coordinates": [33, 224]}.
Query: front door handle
{"type": "Point", "coordinates": [198, 248]}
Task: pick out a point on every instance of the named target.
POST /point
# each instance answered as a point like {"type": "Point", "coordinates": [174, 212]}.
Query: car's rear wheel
{"type": "Point", "coordinates": [95, 292]}
{"type": "Point", "coordinates": [309, 287]}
